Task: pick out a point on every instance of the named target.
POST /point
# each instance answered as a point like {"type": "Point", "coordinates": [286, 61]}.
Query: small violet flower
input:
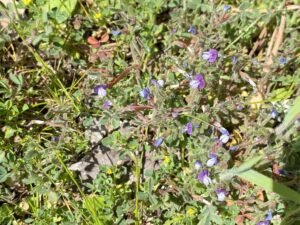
{"type": "Point", "coordinates": [107, 104]}
{"type": "Point", "coordinates": [267, 219]}
{"type": "Point", "coordinates": [198, 82]}
{"type": "Point", "coordinates": [145, 93]}
{"type": "Point", "coordinates": [265, 222]}
{"type": "Point", "coordinates": [221, 194]}
{"type": "Point", "coordinates": [192, 30]}
{"type": "Point", "coordinates": [234, 59]}
{"type": "Point", "coordinates": [198, 165]}
{"type": "Point", "coordinates": [269, 215]}
{"type": "Point", "coordinates": [226, 8]}
{"type": "Point", "coordinates": [274, 113]}
{"type": "Point", "coordinates": [212, 161]}
{"type": "Point", "coordinates": [158, 83]}
{"type": "Point", "coordinates": [188, 128]}
{"type": "Point", "coordinates": [100, 90]}
{"type": "Point", "coordinates": [204, 178]}
{"type": "Point", "coordinates": [158, 142]}
{"type": "Point", "coordinates": [282, 60]}
{"type": "Point", "coordinates": [233, 148]}
{"type": "Point", "coordinates": [211, 55]}
{"type": "Point", "coordinates": [116, 32]}
{"type": "Point", "coordinates": [185, 64]}
{"type": "Point", "coordinates": [225, 135]}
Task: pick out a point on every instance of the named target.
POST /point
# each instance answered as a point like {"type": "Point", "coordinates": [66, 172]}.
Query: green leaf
{"type": "Point", "coordinates": [3, 174]}
{"type": "Point", "coordinates": [9, 132]}
{"type": "Point", "coordinates": [16, 79]}
{"type": "Point", "coordinates": [292, 115]}
{"type": "Point", "coordinates": [65, 8]}
{"type": "Point", "coordinates": [243, 168]}
{"type": "Point", "coordinates": [270, 185]}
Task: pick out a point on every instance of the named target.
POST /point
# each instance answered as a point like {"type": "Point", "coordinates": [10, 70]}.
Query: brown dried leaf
{"type": "Point", "coordinates": [104, 38]}
{"type": "Point", "coordinates": [93, 41]}
{"type": "Point", "coordinates": [239, 220]}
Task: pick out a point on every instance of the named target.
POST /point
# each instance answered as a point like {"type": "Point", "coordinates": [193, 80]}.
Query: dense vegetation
{"type": "Point", "coordinates": [149, 112]}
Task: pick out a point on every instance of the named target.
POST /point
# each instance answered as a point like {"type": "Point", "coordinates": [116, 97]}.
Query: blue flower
{"type": "Point", "coordinates": [269, 215]}
{"type": "Point", "coordinates": [234, 59]}
{"type": "Point", "coordinates": [226, 8]}
{"type": "Point", "coordinates": [107, 104]}
{"type": "Point", "coordinates": [212, 161]}
{"type": "Point", "coordinates": [264, 222]}
{"type": "Point", "coordinates": [145, 93]}
{"type": "Point", "coordinates": [204, 178]}
{"type": "Point", "coordinates": [233, 148]}
{"type": "Point", "coordinates": [116, 32]}
{"type": "Point", "coordinates": [192, 30]}
{"type": "Point", "coordinates": [211, 55]}
{"type": "Point", "coordinates": [221, 194]}
{"type": "Point", "coordinates": [267, 219]}
{"type": "Point", "coordinates": [225, 135]}
{"type": "Point", "coordinates": [158, 83]}
{"type": "Point", "coordinates": [100, 90]}
{"type": "Point", "coordinates": [188, 128]}
{"type": "Point", "coordinates": [282, 60]}
{"type": "Point", "coordinates": [274, 113]}
{"type": "Point", "coordinates": [185, 64]}
{"type": "Point", "coordinates": [198, 82]}
{"type": "Point", "coordinates": [158, 142]}
{"type": "Point", "coordinates": [198, 165]}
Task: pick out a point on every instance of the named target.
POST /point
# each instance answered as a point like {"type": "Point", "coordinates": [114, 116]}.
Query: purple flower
{"type": "Point", "coordinates": [100, 90]}
{"type": "Point", "coordinates": [107, 104]}
{"type": "Point", "coordinates": [192, 30]}
{"type": "Point", "coordinates": [239, 107]}
{"type": "Point", "coordinates": [234, 59]}
{"type": "Point", "coordinates": [204, 178]}
{"type": "Point", "coordinates": [158, 142]}
{"type": "Point", "coordinates": [212, 161]}
{"type": "Point", "coordinates": [274, 113]}
{"type": "Point", "coordinates": [158, 83]}
{"type": "Point", "coordinates": [174, 30]}
{"type": "Point", "coordinates": [225, 135]}
{"type": "Point", "coordinates": [267, 220]}
{"type": "Point", "coordinates": [211, 56]}
{"type": "Point", "coordinates": [198, 82]}
{"type": "Point", "coordinates": [233, 148]}
{"type": "Point", "coordinates": [185, 64]}
{"type": "Point", "coordinates": [226, 8]}
{"type": "Point", "coordinates": [198, 165]}
{"type": "Point", "coordinates": [188, 128]}
{"type": "Point", "coordinates": [116, 32]}
{"type": "Point", "coordinates": [269, 215]}
{"type": "Point", "coordinates": [282, 60]}
{"type": "Point", "coordinates": [221, 194]}
{"type": "Point", "coordinates": [283, 172]}
{"type": "Point", "coordinates": [145, 93]}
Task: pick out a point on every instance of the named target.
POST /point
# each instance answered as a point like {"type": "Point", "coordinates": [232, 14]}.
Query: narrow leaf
{"type": "Point", "coordinates": [270, 185]}
{"type": "Point", "coordinates": [292, 115]}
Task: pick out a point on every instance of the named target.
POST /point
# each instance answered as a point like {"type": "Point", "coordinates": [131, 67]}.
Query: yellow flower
{"type": "Point", "coordinates": [98, 15]}
{"type": "Point", "coordinates": [191, 211]}
{"type": "Point", "coordinates": [109, 171]}
{"type": "Point", "coordinates": [166, 159]}
{"type": "Point", "coordinates": [27, 2]}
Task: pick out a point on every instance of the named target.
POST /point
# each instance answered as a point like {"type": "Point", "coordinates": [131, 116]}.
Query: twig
{"type": "Point", "coordinates": [121, 76]}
